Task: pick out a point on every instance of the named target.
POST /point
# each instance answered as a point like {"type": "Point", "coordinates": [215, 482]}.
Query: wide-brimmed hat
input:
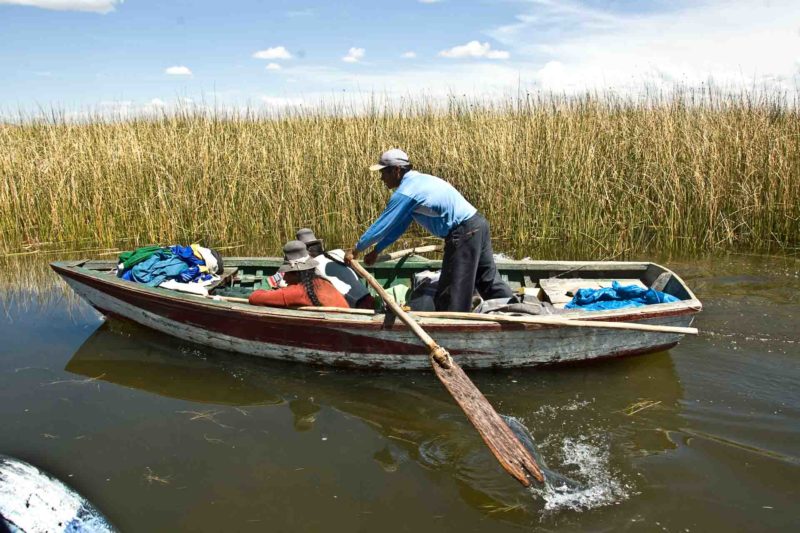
{"type": "Point", "coordinates": [391, 158]}
{"type": "Point", "coordinates": [296, 258]}
{"type": "Point", "coordinates": [307, 237]}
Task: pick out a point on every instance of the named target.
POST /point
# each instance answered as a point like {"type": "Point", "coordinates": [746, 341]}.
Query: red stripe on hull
{"type": "Point", "coordinates": [288, 331]}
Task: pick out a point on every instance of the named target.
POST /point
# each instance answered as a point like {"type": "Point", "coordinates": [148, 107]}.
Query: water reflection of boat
{"type": "Point", "coordinates": [409, 410]}
{"type": "Point", "coordinates": [123, 353]}
{"type": "Point", "coordinates": [375, 341]}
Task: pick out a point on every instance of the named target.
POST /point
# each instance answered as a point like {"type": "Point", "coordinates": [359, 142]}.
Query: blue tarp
{"type": "Point", "coordinates": [161, 266]}
{"type": "Point", "coordinates": [176, 262]}
{"type": "Point", "coordinates": [187, 254]}
{"type": "Point", "coordinates": [616, 297]}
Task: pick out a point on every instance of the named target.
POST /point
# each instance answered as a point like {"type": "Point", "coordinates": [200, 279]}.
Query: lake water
{"type": "Point", "coordinates": [162, 435]}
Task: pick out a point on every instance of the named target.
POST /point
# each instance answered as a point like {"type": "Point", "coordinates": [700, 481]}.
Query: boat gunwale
{"type": "Point", "coordinates": [377, 320]}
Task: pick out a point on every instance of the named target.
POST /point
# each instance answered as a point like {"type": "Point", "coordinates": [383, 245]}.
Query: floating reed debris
{"type": "Point", "coordinates": [213, 440]}
{"type": "Point", "coordinates": [640, 406]}
{"type": "Point", "coordinates": [86, 381]}
{"type": "Point", "coordinates": [585, 177]}
{"type": "Point", "coordinates": [151, 477]}
{"type": "Point", "coordinates": [493, 508]}
{"type": "Point", "coordinates": [205, 415]}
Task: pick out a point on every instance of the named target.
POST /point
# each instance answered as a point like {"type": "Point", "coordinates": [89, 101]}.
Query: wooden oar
{"type": "Point", "coordinates": [403, 253]}
{"type": "Point", "coordinates": [505, 446]}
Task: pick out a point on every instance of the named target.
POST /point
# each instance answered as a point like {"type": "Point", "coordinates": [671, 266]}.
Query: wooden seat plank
{"type": "Point", "coordinates": [227, 274]}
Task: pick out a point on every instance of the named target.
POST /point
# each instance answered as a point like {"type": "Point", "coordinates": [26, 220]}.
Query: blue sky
{"type": "Point", "coordinates": [137, 54]}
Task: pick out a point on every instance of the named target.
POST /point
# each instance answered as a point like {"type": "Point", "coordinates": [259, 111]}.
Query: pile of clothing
{"type": "Point", "coordinates": [183, 268]}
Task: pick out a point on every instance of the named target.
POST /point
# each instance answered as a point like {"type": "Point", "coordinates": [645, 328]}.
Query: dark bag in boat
{"type": "Point", "coordinates": [516, 305]}
{"type": "Point", "coordinates": [421, 298]}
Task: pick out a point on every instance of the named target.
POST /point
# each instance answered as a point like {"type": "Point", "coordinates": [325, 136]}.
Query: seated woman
{"type": "Point", "coordinates": [304, 286]}
{"type": "Point", "coordinates": [330, 266]}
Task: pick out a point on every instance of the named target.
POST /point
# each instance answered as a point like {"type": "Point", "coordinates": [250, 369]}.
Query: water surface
{"type": "Point", "coordinates": [163, 435]}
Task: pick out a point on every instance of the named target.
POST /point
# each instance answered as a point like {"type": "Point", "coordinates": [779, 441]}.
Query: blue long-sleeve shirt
{"type": "Point", "coordinates": [435, 204]}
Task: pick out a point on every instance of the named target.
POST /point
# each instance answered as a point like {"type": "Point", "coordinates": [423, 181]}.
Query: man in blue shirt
{"type": "Point", "coordinates": [438, 207]}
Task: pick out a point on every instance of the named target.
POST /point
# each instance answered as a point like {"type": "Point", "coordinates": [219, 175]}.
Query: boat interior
{"type": "Point", "coordinates": [552, 282]}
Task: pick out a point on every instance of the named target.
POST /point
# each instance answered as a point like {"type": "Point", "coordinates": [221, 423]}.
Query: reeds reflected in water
{"type": "Point", "coordinates": [28, 285]}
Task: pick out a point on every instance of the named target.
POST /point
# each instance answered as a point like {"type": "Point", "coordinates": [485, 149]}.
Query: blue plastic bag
{"type": "Point", "coordinates": [617, 296]}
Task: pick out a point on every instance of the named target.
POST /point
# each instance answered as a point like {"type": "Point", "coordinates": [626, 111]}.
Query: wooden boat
{"type": "Point", "coordinates": [376, 340]}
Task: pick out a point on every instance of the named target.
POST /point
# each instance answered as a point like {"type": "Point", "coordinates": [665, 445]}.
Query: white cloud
{"type": "Point", "coordinates": [354, 55]}
{"type": "Point", "coordinates": [735, 43]}
{"type": "Point", "coordinates": [281, 102]}
{"type": "Point", "coordinates": [115, 104]}
{"type": "Point", "coordinates": [94, 6]}
{"type": "Point", "coordinates": [483, 80]}
{"type": "Point", "coordinates": [276, 52]}
{"type": "Point", "coordinates": [273, 66]}
{"type": "Point", "coordinates": [157, 102]}
{"type": "Point", "coordinates": [116, 108]}
{"type": "Point", "coordinates": [409, 55]}
{"type": "Point", "coordinates": [475, 49]}
{"type": "Point", "coordinates": [567, 47]}
{"type": "Point", "coordinates": [178, 70]}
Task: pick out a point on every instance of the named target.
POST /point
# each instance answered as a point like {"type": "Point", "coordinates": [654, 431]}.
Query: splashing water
{"type": "Point", "coordinates": [598, 485]}
{"type": "Point", "coordinates": [601, 485]}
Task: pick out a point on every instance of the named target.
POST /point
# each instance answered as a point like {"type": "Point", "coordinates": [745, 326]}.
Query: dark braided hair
{"type": "Point", "coordinates": [307, 278]}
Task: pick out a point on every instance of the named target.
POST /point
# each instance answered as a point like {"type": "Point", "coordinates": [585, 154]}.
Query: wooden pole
{"type": "Point", "coordinates": [532, 319]}
{"type": "Point", "coordinates": [228, 299]}
{"type": "Point", "coordinates": [409, 251]}
{"type": "Point", "coordinates": [558, 321]}
{"type": "Point", "coordinates": [502, 319]}
{"type": "Point", "coordinates": [343, 310]}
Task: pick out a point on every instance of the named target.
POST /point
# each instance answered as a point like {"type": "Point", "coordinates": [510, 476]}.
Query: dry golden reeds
{"type": "Point", "coordinates": [557, 177]}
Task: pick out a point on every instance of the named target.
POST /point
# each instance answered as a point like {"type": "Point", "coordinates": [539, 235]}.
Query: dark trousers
{"type": "Point", "coordinates": [468, 265]}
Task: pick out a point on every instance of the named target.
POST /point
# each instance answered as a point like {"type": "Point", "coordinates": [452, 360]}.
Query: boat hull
{"type": "Point", "coordinates": [365, 341]}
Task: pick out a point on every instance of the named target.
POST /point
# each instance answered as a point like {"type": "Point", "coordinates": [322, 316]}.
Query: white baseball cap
{"type": "Point", "coordinates": [391, 158]}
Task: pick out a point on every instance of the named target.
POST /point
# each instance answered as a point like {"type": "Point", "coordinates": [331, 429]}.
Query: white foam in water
{"type": "Point", "coordinates": [551, 411]}
{"type": "Point", "coordinates": [584, 478]}
{"type": "Point", "coordinates": [600, 486]}
{"type": "Point", "coordinates": [574, 405]}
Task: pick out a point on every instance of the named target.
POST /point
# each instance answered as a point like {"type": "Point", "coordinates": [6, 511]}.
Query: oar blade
{"type": "Point", "coordinates": [509, 451]}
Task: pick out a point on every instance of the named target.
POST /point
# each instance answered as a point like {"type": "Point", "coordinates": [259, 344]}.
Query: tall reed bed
{"type": "Point", "coordinates": [589, 177]}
